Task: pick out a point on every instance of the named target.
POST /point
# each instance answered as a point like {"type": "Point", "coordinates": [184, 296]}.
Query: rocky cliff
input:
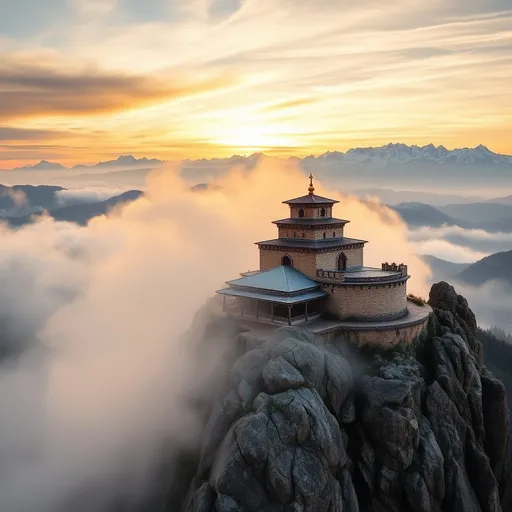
{"type": "Point", "coordinates": [309, 426]}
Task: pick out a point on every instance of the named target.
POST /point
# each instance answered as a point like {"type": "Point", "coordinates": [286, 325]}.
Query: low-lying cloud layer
{"type": "Point", "coordinates": [86, 195]}
{"type": "Point", "coordinates": [491, 302]}
{"type": "Point", "coordinates": [457, 244]}
{"type": "Point", "coordinates": [104, 377]}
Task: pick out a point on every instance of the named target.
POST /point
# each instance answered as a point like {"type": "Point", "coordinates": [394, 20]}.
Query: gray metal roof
{"type": "Point", "coordinates": [311, 199]}
{"type": "Point", "coordinates": [279, 279]}
{"type": "Point", "coordinates": [312, 222]}
{"type": "Point", "coordinates": [260, 295]}
{"type": "Point", "coordinates": [328, 243]}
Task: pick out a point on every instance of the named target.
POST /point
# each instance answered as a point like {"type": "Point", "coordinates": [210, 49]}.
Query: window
{"type": "Point", "coordinates": [301, 212]}
{"type": "Point", "coordinates": [325, 236]}
{"type": "Point", "coordinates": [342, 261]}
{"type": "Point", "coordinates": [303, 235]}
{"type": "Point", "coordinates": [322, 212]}
{"type": "Point", "coordinates": [287, 261]}
{"type": "Point", "coordinates": [295, 235]}
{"type": "Point", "coordinates": [334, 234]}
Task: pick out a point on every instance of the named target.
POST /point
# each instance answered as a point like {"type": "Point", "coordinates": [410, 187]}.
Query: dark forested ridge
{"type": "Point", "coordinates": [498, 357]}
{"type": "Point", "coordinates": [78, 213]}
{"type": "Point", "coordinates": [494, 267]}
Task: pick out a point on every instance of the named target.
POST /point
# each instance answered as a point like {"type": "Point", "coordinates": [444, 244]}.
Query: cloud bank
{"type": "Point", "coordinates": [458, 244]}
{"type": "Point", "coordinates": [97, 377]}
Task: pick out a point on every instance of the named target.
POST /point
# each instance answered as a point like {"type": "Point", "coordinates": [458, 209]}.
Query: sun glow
{"type": "Point", "coordinates": [246, 135]}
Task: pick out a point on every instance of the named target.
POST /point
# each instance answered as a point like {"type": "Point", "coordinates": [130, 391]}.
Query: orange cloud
{"type": "Point", "coordinates": [35, 91]}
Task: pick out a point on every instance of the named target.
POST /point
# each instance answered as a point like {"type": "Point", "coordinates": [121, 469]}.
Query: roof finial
{"type": "Point", "coordinates": [311, 188]}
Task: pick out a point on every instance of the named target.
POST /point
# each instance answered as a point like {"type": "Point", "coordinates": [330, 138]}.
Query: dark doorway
{"type": "Point", "coordinates": [287, 261]}
{"type": "Point", "coordinates": [342, 261]}
{"type": "Point", "coordinates": [301, 212]}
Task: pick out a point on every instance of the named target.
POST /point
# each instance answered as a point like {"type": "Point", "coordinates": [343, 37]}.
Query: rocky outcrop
{"type": "Point", "coordinates": [303, 428]}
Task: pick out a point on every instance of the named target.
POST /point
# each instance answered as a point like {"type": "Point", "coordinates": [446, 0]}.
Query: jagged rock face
{"type": "Point", "coordinates": [300, 430]}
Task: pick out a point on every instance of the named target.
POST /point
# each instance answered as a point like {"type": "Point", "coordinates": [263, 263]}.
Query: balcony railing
{"type": "Point", "coordinates": [335, 275]}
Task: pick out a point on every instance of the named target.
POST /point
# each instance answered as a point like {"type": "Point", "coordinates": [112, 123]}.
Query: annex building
{"type": "Point", "coordinates": [312, 271]}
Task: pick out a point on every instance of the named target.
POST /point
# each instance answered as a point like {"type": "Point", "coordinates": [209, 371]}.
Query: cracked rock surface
{"type": "Point", "coordinates": [302, 429]}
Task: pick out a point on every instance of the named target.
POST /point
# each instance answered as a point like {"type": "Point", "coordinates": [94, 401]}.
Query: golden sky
{"type": "Point", "coordinates": [88, 80]}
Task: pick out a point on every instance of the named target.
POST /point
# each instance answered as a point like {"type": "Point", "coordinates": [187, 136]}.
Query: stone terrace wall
{"type": "Point", "coordinates": [385, 338]}
{"type": "Point", "coordinates": [373, 303]}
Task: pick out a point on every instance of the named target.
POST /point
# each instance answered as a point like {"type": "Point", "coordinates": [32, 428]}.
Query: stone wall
{"type": "Point", "coordinates": [310, 234]}
{"type": "Point", "coordinates": [329, 260]}
{"type": "Point", "coordinates": [383, 302]}
{"type": "Point", "coordinates": [311, 213]}
{"type": "Point", "coordinates": [305, 262]}
{"type": "Point", "coordinates": [386, 338]}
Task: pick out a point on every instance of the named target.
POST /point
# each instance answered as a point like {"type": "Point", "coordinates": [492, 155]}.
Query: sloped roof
{"type": "Point", "coordinates": [280, 279]}
{"type": "Point", "coordinates": [284, 299]}
{"type": "Point", "coordinates": [327, 243]}
{"type": "Point", "coordinates": [311, 199]}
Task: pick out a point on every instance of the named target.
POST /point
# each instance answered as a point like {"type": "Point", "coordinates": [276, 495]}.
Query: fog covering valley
{"type": "Point", "coordinates": [457, 205]}
{"type": "Point", "coordinates": [103, 272]}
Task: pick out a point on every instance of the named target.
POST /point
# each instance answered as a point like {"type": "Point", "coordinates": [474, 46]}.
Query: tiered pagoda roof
{"type": "Point", "coordinates": [310, 199]}
{"type": "Point", "coordinates": [301, 243]}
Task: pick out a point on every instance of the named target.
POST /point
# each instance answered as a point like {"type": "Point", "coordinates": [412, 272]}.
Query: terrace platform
{"type": "Point", "coordinates": [385, 334]}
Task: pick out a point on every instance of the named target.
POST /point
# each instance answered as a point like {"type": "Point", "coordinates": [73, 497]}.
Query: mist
{"type": "Point", "coordinates": [85, 195]}
{"type": "Point", "coordinates": [491, 303]}
{"type": "Point", "coordinates": [457, 244]}
{"type": "Point", "coordinates": [100, 369]}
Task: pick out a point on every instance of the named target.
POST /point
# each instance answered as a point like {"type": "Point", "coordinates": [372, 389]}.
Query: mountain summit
{"type": "Point", "coordinates": [43, 165]}
{"type": "Point", "coordinates": [307, 425]}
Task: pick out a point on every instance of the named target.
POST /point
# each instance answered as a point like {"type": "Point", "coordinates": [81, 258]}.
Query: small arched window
{"type": "Point", "coordinates": [325, 236]}
{"type": "Point", "coordinates": [295, 235]}
{"type": "Point", "coordinates": [301, 212]}
{"type": "Point", "coordinates": [334, 234]}
{"type": "Point", "coordinates": [287, 261]}
{"type": "Point", "coordinates": [322, 212]}
{"type": "Point", "coordinates": [342, 261]}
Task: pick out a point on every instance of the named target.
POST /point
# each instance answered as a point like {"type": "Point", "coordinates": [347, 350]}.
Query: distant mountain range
{"type": "Point", "coordinates": [489, 216]}
{"type": "Point", "coordinates": [496, 267]}
{"type": "Point", "coordinates": [400, 154]}
{"type": "Point", "coordinates": [43, 165]}
{"type": "Point", "coordinates": [27, 197]}
{"type": "Point", "coordinates": [443, 270]}
{"type": "Point", "coordinates": [122, 161]}
{"type": "Point", "coordinates": [77, 213]}
{"type": "Point", "coordinates": [390, 155]}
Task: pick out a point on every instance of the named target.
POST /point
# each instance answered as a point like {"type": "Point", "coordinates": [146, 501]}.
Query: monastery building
{"type": "Point", "coordinates": [314, 276]}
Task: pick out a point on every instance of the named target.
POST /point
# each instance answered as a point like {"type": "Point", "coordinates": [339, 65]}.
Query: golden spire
{"type": "Point", "coordinates": [311, 188]}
